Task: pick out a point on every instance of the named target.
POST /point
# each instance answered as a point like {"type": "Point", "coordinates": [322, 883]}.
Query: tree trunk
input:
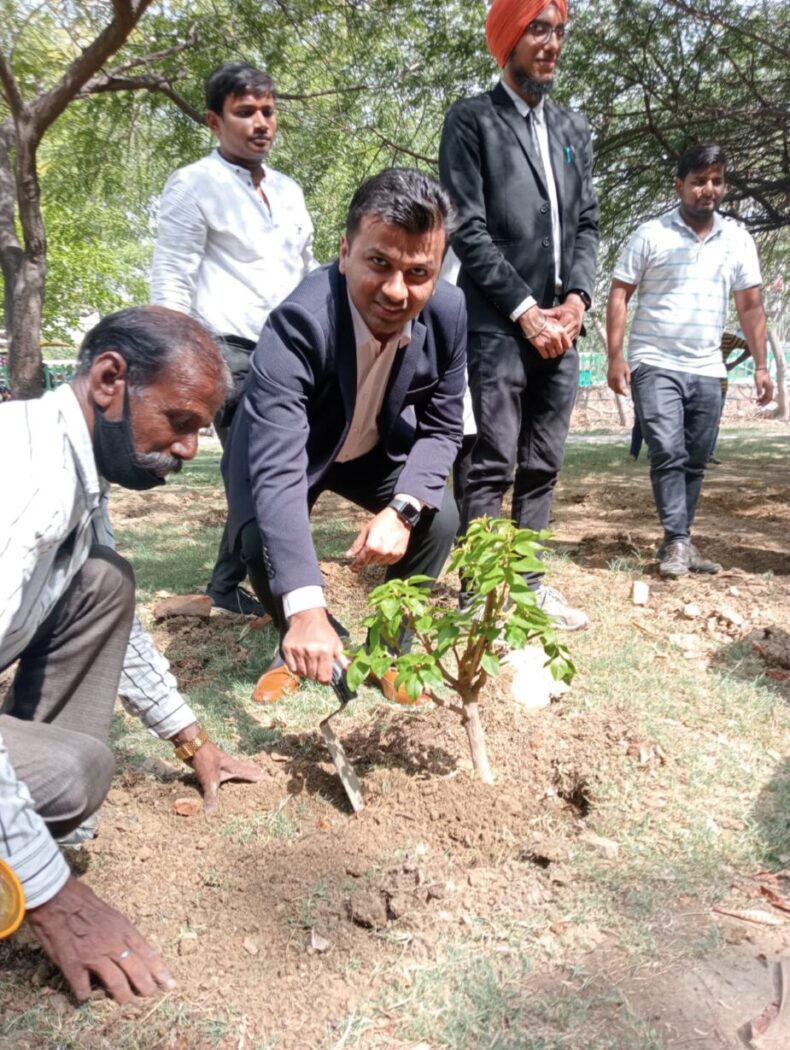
{"type": "Point", "coordinates": [781, 376]}
{"type": "Point", "coordinates": [10, 249]}
{"type": "Point", "coordinates": [619, 401]}
{"type": "Point", "coordinates": [24, 358]}
{"type": "Point", "coordinates": [477, 742]}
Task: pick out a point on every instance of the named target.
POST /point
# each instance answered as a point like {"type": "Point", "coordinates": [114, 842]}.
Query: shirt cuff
{"type": "Point", "coordinates": [303, 598]}
{"type": "Point", "coordinates": [416, 503]}
{"type": "Point", "coordinates": [523, 306]}
{"type": "Point", "coordinates": [40, 867]}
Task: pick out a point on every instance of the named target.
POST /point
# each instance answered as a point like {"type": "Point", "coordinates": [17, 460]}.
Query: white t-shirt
{"type": "Point", "coordinates": [684, 286]}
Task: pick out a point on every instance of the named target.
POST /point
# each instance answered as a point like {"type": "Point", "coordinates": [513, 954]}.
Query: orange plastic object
{"type": "Point", "coordinates": [12, 901]}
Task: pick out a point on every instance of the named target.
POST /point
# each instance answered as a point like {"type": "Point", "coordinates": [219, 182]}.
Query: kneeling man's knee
{"type": "Point", "coordinates": [85, 773]}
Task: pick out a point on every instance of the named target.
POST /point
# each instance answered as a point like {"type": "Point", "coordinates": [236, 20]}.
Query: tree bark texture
{"type": "Point", "coordinates": [781, 376]}
{"type": "Point", "coordinates": [477, 742]}
{"type": "Point", "coordinates": [10, 248]}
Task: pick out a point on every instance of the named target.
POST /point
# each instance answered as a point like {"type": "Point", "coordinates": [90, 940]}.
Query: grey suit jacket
{"type": "Point", "coordinates": [489, 163]}
{"type": "Point", "coordinates": [299, 402]}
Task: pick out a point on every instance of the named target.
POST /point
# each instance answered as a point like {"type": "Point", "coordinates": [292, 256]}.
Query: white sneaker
{"type": "Point", "coordinates": [554, 605]}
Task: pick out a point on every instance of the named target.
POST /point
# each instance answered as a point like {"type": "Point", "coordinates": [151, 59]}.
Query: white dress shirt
{"type": "Point", "coordinates": [542, 135]}
{"type": "Point", "coordinates": [224, 254]}
{"type": "Point", "coordinates": [52, 492]}
{"type": "Point", "coordinates": [374, 364]}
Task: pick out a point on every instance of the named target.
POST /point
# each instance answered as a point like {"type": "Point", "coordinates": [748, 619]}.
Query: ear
{"type": "Point", "coordinates": [678, 186]}
{"type": "Point", "coordinates": [344, 248]}
{"type": "Point", "coordinates": [214, 122]}
{"type": "Point", "coordinates": [107, 383]}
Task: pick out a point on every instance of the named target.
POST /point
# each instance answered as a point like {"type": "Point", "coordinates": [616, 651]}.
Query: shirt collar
{"type": "Point", "coordinates": [677, 220]}
{"type": "Point", "coordinates": [79, 437]}
{"type": "Point", "coordinates": [522, 106]}
{"type": "Point", "coordinates": [363, 335]}
{"type": "Point", "coordinates": [237, 168]}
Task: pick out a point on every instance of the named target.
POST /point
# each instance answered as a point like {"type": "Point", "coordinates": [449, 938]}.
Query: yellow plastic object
{"type": "Point", "coordinates": [12, 901]}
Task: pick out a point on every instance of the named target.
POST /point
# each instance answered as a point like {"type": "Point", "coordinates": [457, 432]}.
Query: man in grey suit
{"type": "Point", "coordinates": [519, 168]}
{"type": "Point", "coordinates": [356, 386]}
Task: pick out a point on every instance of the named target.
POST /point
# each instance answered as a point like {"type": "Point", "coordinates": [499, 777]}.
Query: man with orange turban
{"type": "Point", "coordinates": [520, 170]}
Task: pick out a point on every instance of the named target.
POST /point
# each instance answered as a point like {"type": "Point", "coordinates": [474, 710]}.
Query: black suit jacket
{"type": "Point", "coordinates": [489, 163]}
{"type": "Point", "coordinates": [299, 402]}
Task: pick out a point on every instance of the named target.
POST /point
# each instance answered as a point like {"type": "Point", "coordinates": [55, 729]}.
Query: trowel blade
{"type": "Point", "coordinates": [348, 777]}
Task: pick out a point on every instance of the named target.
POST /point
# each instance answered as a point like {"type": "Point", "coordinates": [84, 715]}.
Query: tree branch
{"type": "Point", "coordinates": [11, 90]}
{"type": "Point", "coordinates": [107, 83]}
{"type": "Point", "coordinates": [433, 161]}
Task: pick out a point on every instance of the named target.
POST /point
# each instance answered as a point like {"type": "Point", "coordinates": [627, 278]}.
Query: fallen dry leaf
{"type": "Point", "coordinates": [319, 943]}
{"type": "Point", "coordinates": [755, 915]}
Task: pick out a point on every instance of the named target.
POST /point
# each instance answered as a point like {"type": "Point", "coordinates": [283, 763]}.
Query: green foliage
{"type": "Point", "coordinates": [463, 648]}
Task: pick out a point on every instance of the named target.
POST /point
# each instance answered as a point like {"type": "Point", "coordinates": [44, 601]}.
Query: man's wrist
{"type": "Point", "coordinates": [579, 296]}
{"type": "Point", "coordinates": [183, 736]}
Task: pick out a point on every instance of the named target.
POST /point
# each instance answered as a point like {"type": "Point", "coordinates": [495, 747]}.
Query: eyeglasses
{"type": "Point", "coordinates": [542, 32]}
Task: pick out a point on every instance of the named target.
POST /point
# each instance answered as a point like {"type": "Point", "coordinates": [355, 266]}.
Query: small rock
{"type": "Point", "coordinates": [607, 847]}
{"type": "Point", "coordinates": [436, 891]}
{"type": "Point", "coordinates": [188, 945]}
{"type": "Point", "coordinates": [734, 591]}
{"type": "Point", "coordinates": [479, 877]}
{"type": "Point", "coordinates": [144, 853]}
{"type": "Point", "coordinates": [729, 615]}
{"type": "Point", "coordinates": [187, 807]}
{"type": "Point", "coordinates": [369, 910]}
{"type": "Point", "coordinates": [560, 875]}
{"type": "Point", "coordinates": [318, 943]}
{"type": "Point", "coordinates": [544, 851]}
{"type": "Point", "coordinates": [640, 592]}
{"type": "Point", "coordinates": [398, 905]}
{"type": "Point", "coordinates": [687, 642]}
{"type": "Point", "coordinates": [691, 611]}
{"type": "Point", "coordinates": [356, 869]}
{"type": "Point", "coordinates": [250, 946]}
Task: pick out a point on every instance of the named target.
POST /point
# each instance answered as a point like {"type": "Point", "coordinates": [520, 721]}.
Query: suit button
{"type": "Point", "coordinates": [546, 242]}
{"type": "Point", "coordinates": [544, 208]}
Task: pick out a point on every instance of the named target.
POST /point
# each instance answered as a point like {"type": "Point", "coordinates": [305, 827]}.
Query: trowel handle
{"type": "Point", "coordinates": [340, 684]}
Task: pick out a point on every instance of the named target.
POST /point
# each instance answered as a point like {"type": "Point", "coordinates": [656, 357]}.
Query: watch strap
{"type": "Point", "coordinates": [190, 748]}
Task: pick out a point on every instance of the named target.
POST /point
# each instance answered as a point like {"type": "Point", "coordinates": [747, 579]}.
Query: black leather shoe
{"type": "Point", "coordinates": [699, 564]}
{"type": "Point", "coordinates": [675, 559]}
{"type": "Point", "coordinates": [238, 601]}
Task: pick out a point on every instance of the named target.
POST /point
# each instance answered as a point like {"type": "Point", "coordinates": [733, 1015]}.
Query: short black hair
{"type": "Point", "coordinates": [151, 339]}
{"type": "Point", "coordinates": [236, 78]}
{"type": "Point", "coordinates": [695, 158]}
{"type": "Point", "coordinates": [403, 197]}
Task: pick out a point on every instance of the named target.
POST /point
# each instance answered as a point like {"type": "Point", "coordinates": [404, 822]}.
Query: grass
{"type": "Point", "coordinates": [719, 804]}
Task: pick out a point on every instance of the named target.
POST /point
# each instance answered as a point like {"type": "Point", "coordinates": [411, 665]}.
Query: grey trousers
{"type": "Point", "coordinates": [56, 717]}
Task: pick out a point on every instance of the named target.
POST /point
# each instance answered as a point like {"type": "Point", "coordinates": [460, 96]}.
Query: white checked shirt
{"type": "Point", "coordinates": [683, 290]}
{"type": "Point", "coordinates": [223, 254]}
{"type": "Point", "coordinates": [52, 492]}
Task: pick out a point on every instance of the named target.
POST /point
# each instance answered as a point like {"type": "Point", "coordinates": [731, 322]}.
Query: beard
{"type": "Point", "coordinates": [531, 87]}
{"type": "Point", "coordinates": [159, 463]}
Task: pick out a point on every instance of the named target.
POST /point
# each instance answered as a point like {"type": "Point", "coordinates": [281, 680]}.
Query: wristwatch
{"type": "Point", "coordinates": [189, 749]}
{"type": "Point", "coordinates": [406, 511]}
{"type": "Point", "coordinates": [582, 295]}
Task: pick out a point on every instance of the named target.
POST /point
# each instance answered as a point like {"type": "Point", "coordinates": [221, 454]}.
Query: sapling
{"type": "Point", "coordinates": [463, 648]}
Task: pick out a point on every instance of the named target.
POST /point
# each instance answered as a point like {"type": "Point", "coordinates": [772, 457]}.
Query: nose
{"type": "Point", "coordinates": [395, 287]}
{"type": "Point", "coordinates": [259, 120]}
{"type": "Point", "coordinates": [185, 447]}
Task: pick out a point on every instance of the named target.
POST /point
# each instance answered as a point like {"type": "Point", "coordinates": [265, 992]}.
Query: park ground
{"type": "Point", "coordinates": [617, 888]}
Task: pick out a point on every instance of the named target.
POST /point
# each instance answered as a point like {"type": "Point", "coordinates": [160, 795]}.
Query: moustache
{"type": "Point", "coordinates": [159, 463]}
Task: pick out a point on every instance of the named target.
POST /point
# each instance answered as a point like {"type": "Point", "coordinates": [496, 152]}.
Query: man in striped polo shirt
{"type": "Point", "coordinates": [684, 266]}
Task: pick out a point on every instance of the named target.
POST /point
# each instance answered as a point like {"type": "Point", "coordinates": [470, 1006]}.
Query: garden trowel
{"type": "Point", "coordinates": [345, 770]}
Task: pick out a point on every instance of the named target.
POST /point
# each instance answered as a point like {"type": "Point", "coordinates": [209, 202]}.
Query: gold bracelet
{"type": "Point", "coordinates": [190, 748]}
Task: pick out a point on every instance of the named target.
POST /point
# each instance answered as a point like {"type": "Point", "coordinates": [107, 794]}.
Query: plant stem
{"type": "Point", "coordinates": [477, 741]}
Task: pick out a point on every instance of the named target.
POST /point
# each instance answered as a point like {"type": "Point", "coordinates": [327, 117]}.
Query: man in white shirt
{"type": "Point", "coordinates": [356, 387]}
{"type": "Point", "coordinates": [683, 266]}
{"type": "Point", "coordinates": [234, 239]}
{"type": "Point", "coordinates": [148, 380]}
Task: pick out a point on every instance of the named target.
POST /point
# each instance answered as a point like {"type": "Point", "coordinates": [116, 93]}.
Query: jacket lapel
{"type": "Point", "coordinates": [518, 125]}
{"type": "Point", "coordinates": [401, 376]}
{"type": "Point", "coordinates": [345, 346]}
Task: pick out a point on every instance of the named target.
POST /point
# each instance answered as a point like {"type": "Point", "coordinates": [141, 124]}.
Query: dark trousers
{"type": "Point", "coordinates": [370, 482]}
{"type": "Point", "coordinates": [522, 405]}
{"type": "Point", "coordinates": [678, 413]}
{"type": "Point", "coordinates": [56, 720]}
{"type": "Point", "coordinates": [229, 570]}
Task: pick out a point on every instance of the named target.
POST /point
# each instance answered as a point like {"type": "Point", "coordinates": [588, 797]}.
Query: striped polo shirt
{"type": "Point", "coordinates": [683, 292]}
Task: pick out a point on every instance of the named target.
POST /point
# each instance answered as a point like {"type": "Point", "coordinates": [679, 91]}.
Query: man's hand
{"type": "Point", "coordinates": [571, 316]}
{"type": "Point", "coordinates": [311, 644]}
{"type": "Point", "coordinates": [619, 376]}
{"type": "Point", "coordinates": [213, 767]}
{"type": "Point", "coordinates": [764, 386]}
{"type": "Point", "coordinates": [82, 936]}
{"type": "Point", "coordinates": [382, 541]}
{"type": "Point", "coordinates": [545, 331]}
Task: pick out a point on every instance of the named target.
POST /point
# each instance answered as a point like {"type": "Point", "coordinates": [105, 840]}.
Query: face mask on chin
{"type": "Point", "coordinates": [116, 457]}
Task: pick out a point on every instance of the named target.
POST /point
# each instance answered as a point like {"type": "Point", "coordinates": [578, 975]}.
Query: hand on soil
{"type": "Point", "coordinates": [82, 936]}
{"type": "Point", "coordinates": [213, 767]}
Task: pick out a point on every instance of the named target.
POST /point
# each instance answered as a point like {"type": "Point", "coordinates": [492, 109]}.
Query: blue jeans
{"type": "Point", "coordinates": [678, 413]}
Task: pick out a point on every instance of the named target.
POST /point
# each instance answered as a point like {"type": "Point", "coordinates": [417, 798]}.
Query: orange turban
{"type": "Point", "coordinates": [508, 19]}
